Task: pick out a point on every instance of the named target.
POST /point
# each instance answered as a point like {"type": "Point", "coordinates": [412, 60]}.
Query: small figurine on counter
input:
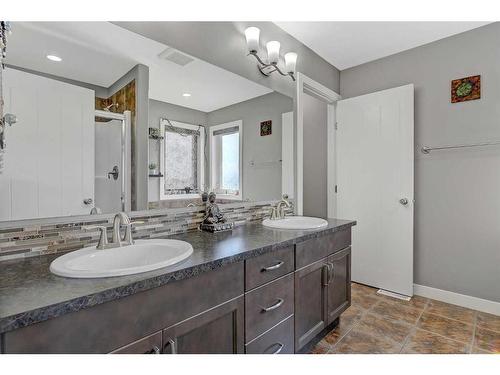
{"type": "Point", "coordinates": [214, 220]}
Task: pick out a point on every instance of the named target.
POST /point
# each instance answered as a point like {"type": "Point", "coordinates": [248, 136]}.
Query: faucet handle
{"type": "Point", "coordinates": [103, 238]}
{"type": "Point", "coordinates": [89, 228]}
{"type": "Point", "coordinates": [274, 213]}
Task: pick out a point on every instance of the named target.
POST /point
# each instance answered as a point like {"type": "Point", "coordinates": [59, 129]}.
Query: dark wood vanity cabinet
{"type": "Point", "coordinates": [322, 288]}
{"type": "Point", "coordinates": [310, 302]}
{"type": "Point", "coordinates": [274, 303]}
{"type": "Point", "coordinates": [216, 331]}
{"type": "Point", "coordinates": [339, 284]}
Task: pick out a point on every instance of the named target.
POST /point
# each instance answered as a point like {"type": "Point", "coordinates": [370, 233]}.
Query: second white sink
{"type": "Point", "coordinates": [296, 223]}
{"type": "Point", "coordinates": [142, 256]}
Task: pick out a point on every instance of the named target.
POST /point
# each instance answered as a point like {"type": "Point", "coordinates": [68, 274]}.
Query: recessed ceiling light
{"type": "Point", "coordinates": [186, 95]}
{"type": "Point", "coordinates": [54, 58]}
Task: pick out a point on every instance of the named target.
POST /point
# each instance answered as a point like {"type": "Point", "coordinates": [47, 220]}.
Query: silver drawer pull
{"type": "Point", "coordinates": [275, 306]}
{"type": "Point", "coordinates": [273, 267]}
{"type": "Point", "coordinates": [330, 272]}
{"type": "Point", "coordinates": [277, 351]}
{"type": "Point", "coordinates": [173, 345]}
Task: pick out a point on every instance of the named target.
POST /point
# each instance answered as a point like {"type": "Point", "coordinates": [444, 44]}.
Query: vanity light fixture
{"type": "Point", "coordinates": [252, 35]}
{"type": "Point", "coordinates": [54, 58]}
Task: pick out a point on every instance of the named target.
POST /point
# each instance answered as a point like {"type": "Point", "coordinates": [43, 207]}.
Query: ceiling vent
{"type": "Point", "coordinates": [173, 55]}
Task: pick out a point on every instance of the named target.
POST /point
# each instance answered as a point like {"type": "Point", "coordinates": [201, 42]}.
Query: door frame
{"type": "Point", "coordinates": [287, 155]}
{"type": "Point", "coordinates": [308, 86]}
{"type": "Point", "coordinates": [126, 119]}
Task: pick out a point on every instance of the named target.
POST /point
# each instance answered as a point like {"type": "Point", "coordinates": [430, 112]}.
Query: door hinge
{"type": "Point", "coordinates": [335, 188]}
{"type": "Point", "coordinates": [336, 126]}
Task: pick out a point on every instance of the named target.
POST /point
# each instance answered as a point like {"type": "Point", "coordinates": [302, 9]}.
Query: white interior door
{"type": "Point", "coordinates": [375, 185]}
{"type": "Point", "coordinates": [49, 159]}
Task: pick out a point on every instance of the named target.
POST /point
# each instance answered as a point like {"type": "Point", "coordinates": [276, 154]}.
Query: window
{"type": "Point", "coordinates": [226, 160]}
{"type": "Point", "coordinates": [181, 160]}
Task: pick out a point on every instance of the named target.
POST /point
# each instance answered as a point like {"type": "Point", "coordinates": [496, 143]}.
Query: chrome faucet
{"type": "Point", "coordinates": [278, 212]}
{"type": "Point", "coordinates": [120, 219]}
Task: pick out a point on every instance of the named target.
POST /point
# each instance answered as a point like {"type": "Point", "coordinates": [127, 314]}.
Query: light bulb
{"type": "Point", "coordinates": [290, 62]}
{"type": "Point", "coordinates": [273, 51]}
{"type": "Point", "coordinates": [252, 36]}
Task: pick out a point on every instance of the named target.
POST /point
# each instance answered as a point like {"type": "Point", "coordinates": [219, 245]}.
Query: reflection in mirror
{"type": "Point", "coordinates": [109, 121]}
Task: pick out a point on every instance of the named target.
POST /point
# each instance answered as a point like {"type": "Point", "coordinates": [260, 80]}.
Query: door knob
{"type": "Point", "coordinates": [403, 201]}
{"type": "Point", "coordinates": [114, 173]}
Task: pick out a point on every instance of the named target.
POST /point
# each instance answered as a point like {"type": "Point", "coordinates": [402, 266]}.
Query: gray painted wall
{"type": "Point", "coordinates": [158, 110]}
{"type": "Point", "coordinates": [457, 209]}
{"type": "Point", "coordinates": [315, 157]}
{"type": "Point", "coordinates": [223, 44]}
{"type": "Point", "coordinates": [259, 182]}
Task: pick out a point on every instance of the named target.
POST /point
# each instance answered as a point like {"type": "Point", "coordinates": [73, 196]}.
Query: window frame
{"type": "Point", "coordinates": [201, 160]}
{"type": "Point", "coordinates": [211, 130]}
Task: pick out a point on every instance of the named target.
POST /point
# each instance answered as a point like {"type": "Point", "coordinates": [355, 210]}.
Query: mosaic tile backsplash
{"type": "Point", "coordinates": [47, 237]}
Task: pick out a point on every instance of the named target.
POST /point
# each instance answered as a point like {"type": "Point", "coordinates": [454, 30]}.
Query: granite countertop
{"type": "Point", "coordinates": [29, 293]}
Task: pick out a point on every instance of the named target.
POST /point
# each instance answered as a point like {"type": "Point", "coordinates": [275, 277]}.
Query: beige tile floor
{"type": "Point", "coordinates": [381, 324]}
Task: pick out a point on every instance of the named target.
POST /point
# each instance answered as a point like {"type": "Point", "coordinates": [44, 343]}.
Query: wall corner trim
{"type": "Point", "coordinates": [463, 300]}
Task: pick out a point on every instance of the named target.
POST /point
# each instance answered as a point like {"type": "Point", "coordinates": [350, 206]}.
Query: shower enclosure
{"type": "Point", "coordinates": [112, 162]}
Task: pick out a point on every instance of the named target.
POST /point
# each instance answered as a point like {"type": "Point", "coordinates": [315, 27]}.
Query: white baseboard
{"type": "Point", "coordinates": [463, 300]}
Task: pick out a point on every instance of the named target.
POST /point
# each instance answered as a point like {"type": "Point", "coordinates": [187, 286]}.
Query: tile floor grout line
{"type": "Point", "coordinates": [440, 335]}
{"type": "Point", "coordinates": [332, 347]}
{"type": "Point", "coordinates": [473, 334]}
{"type": "Point", "coordinates": [369, 311]}
{"type": "Point", "coordinates": [447, 317]}
{"type": "Point", "coordinates": [414, 327]}
{"type": "Point", "coordinates": [468, 346]}
{"type": "Point", "coordinates": [412, 331]}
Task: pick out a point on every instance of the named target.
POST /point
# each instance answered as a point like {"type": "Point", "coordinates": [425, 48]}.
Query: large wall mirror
{"type": "Point", "coordinates": [108, 120]}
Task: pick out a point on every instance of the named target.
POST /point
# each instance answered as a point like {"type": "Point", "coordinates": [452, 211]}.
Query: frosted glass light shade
{"type": "Point", "coordinates": [290, 62]}
{"type": "Point", "coordinates": [273, 51]}
{"type": "Point", "coordinates": [252, 35]}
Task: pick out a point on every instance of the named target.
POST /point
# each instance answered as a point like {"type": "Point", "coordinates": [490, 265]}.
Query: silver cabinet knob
{"type": "Point", "coordinates": [403, 201]}
{"type": "Point", "coordinates": [87, 201]}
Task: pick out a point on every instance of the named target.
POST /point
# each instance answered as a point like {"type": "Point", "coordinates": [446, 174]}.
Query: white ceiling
{"type": "Point", "coordinates": [100, 53]}
{"type": "Point", "coordinates": [347, 44]}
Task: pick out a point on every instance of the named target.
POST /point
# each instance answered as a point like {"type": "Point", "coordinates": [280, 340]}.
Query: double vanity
{"type": "Point", "coordinates": [254, 289]}
{"type": "Point", "coordinates": [111, 137]}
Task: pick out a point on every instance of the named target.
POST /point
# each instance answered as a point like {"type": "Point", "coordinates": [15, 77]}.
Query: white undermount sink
{"type": "Point", "coordinates": [142, 256]}
{"type": "Point", "coordinates": [296, 223]}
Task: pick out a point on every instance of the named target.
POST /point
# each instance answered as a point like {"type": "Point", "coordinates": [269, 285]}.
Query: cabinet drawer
{"type": "Point", "coordinates": [148, 345]}
{"type": "Point", "coordinates": [268, 267]}
{"type": "Point", "coordinates": [267, 305]}
{"type": "Point", "coordinates": [314, 249]}
{"type": "Point", "coordinates": [278, 340]}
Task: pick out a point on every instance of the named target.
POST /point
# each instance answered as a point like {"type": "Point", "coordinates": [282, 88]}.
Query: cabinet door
{"type": "Point", "coordinates": [339, 283]}
{"type": "Point", "coordinates": [148, 345]}
{"type": "Point", "coordinates": [310, 302]}
{"type": "Point", "coordinates": [215, 331]}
